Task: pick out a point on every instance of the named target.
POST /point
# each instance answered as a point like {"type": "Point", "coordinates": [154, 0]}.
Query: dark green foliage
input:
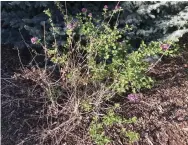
{"type": "Point", "coordinates": [156, 20]}
{"type": "Point", "coordinates": [149, 20]}
{"type": "Point", "coordinates": [17, 16]}
{"type": "Point", "coordinates": [23, 20]}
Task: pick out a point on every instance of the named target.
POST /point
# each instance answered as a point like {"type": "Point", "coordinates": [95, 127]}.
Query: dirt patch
{"type": "Point", "coordinates": [163, 110]}
{"type": "Point", "coordinates": [18, 122]}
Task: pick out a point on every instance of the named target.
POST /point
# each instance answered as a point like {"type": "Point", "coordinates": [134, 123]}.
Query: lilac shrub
{"type": "Point", "coordinates": [104, 59]}
{"type": "Point", "coordinates": [126, 70]}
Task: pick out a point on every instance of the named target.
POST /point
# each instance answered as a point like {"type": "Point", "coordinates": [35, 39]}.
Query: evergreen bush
{"type": "Point", "coordinates": [157, 20]}
{"type": "Point", "coordinates": [149, 20]}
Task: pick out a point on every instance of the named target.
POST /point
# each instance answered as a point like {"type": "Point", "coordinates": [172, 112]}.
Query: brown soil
{"type": "Point", "coordinates": [162, 112]}
{"type": "Point", "coordinates": [17, 107]}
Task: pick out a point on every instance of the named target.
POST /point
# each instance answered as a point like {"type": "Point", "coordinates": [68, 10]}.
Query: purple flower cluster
{"type": "Point", "coordinates": [165, 46]}
{"type": "Point", "coordinates": [105, 7]}
{"type": "Point", "coordinates": [70, 26]}
{"type": "Point", "coordinates": [90, 15]}
{"type": "Point", "coordinates": [84, 10]}
{"type": "Point", "coordinates": [117, 7]}
{"type": "Point", "coordinates": [34, 40]}
{"type": "Point", "coordinates": [132, 97]}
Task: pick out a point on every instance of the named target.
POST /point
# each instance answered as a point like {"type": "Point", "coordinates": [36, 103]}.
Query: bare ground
{"type": "Point", "coordinates": [163, 110]}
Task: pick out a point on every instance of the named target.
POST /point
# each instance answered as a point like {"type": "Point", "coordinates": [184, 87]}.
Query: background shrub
{"type": "Point", "coordinates": [149, 20]}
{"type": "Point", "coordinates": [28, 19]}
{"type": "Point", "coordinates": [156, 20]}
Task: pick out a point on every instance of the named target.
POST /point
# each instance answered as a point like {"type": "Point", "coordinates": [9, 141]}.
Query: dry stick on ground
{"type": "Point", "coordinates": [22, 66]}
{"type": "Point", "coordinates": [155, 64]}
{"type": "Point", "coordinates": [67, 126]}
{"type": "Point", "coordinates": [157, 61]}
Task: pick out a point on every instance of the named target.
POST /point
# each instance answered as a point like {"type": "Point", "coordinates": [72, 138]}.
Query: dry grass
{"type": "Point", "coordinates": [60, 114]}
